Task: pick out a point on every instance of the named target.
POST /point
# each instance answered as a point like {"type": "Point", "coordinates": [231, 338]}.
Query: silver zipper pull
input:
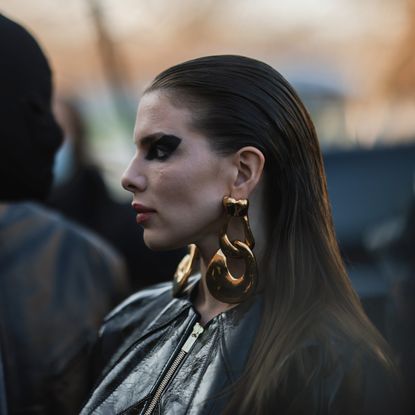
{"type": "Point", "coordinates": [197, 331]}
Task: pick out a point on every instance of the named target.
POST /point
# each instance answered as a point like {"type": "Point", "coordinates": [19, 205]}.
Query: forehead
{"type": "Point", "coordinates": [156, 113]}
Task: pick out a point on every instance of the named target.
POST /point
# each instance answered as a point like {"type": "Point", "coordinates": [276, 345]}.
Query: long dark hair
{"type": "Point", "coordinates": [236, 102]}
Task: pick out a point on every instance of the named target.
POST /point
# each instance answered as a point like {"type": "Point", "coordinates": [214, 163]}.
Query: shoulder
{"type": "Point", "coordinates": [75, 240]}
{"type": "Point", "coordinates": [127, 322]}
{"type": "Point", "coordinates": [38, 219]}
{"type": "Point", "coordinates": [61, 251]}
{"type": "Point", "coordinates": [149, 300]}
{"type": "Point", "coordinates": [341, 376]}
{"type": "Point", "coordinates": [151, 307]}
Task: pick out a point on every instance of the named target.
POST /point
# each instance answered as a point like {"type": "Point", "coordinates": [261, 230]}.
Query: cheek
{"type": "Point", "coordinates": [170, 184]}
{"type": "Point", "coordinates": [193, 190]}
{"type": "Point", "coordinates": [199, 176]}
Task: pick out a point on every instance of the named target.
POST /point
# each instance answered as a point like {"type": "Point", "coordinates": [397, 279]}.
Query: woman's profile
{"type": "Point", "coordinates": [261, 317]}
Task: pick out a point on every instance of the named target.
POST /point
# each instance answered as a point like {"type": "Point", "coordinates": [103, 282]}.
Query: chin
{"type": "Point", "coordinates": [161, 244]}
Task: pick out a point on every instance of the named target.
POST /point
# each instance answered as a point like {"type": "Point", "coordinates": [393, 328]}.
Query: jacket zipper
{"type": "Point", "coordinates": [190, 341]}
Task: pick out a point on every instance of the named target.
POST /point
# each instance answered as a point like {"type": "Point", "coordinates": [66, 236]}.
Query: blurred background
{"type": "Point", "coordinates": [352, 62]}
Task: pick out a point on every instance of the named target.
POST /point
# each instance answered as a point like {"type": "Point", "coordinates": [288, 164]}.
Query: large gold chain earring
{"type": "Point", "coordinates": [222, 285]}
{"type": "Point", "coordinates": [184, 270]}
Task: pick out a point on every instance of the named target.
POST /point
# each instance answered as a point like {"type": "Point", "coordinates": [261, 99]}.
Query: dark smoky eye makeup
{"type": "Point", "coordinates": [163, 147]}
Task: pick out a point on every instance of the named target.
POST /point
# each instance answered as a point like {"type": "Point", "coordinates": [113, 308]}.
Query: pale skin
{"type": "Point", "coordinates": [184, 188]}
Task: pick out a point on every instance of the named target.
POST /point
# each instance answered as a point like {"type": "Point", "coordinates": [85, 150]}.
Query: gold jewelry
{"type": "Point", "coordinates": [184, 270]}
{"type": "Point", "coordinates": [221, 283]}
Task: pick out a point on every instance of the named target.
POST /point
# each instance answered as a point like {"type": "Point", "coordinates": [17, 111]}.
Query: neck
{"type": "Point", "coordinates": [207, 306]}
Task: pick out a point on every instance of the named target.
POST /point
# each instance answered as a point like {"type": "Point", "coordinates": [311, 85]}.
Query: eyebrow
{"type": "Point", "coordinates": [148, 138]}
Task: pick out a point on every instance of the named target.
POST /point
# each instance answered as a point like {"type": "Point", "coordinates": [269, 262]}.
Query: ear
{"type": "Point", "coordinates": [249, 162]}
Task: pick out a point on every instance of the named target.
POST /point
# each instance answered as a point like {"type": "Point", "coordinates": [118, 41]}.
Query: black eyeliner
{"type": "Point", "coordinates": [169, 140]}
{"type": "Point", "coordinates": [166, 143]}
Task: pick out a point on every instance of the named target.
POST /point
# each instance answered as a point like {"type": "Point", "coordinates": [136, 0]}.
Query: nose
{"type": "Point", "coordinates": [132, 179]}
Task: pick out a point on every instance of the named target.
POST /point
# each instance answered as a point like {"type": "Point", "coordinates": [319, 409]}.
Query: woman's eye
{"type": "Point", "coordinates": [163, 147]}
{"type": "Point", "coordinates": [161, 153]}
{"type": "Point", "coordinates": [157, 152]}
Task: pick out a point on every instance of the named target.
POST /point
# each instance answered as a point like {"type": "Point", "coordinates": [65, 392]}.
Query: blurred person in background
{"type": "Point", "coordinates": [80, 193]}
{"type": "Point", "coordinates": [269, 322]}
{"type": "Point", "coordinates": [57, 280]}
{"type": "Point", "coordinates": [395, 250]}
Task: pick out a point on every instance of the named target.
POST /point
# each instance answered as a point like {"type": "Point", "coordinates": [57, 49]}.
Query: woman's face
{"type": "Point", "coordinates": [177, 181]}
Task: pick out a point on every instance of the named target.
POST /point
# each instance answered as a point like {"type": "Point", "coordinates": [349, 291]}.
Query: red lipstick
{"type": "Point", "coordinates": [143, 212]}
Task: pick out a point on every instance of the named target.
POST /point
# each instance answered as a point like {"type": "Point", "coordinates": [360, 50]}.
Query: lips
{"type": "Point", "coordinates": [144, 213]}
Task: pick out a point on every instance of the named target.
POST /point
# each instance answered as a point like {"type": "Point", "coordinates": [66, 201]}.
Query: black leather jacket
{"type": "Point", "coordinates": [142, 366]}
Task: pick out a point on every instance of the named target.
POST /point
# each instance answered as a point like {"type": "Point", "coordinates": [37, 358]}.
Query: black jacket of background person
{"type": "Point", "coordinates": [57, 283]}
{"type": "Point", "coordinates": [141, 339]}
